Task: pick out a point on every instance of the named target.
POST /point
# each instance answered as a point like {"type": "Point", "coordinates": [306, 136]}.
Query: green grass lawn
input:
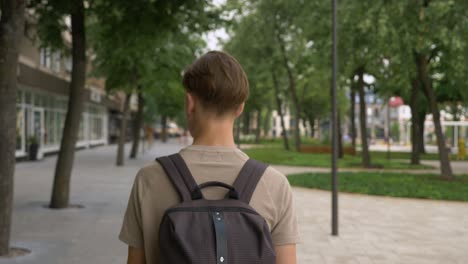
{"type": "Point", "coordinates": [276, 155]}
{"type": "Point", "coordinates": [427, 186]}
{"type": "Point", "coordinates": [407, 155]}
{"type": "Point", "coordinates": [279, 141]}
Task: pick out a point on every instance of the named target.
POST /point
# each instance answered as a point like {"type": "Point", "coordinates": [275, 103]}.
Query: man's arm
{"type": "Point", "coordinates": [137, 256]}
{"type": "Point", "coordinates": [286, 254]}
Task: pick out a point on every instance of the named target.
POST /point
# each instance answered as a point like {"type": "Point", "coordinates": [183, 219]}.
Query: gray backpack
{"type": "Point", "coordinates": [227, 231]}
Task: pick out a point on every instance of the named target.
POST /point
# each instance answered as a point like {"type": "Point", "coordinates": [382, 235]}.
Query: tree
{"type": "Point", "coordinates": [352, 112]}
{"type": "Point", "coordinates": [123, 130]}
{"type": "Point", "coordinates": [130, 40]}
{"type": "Point", "coordinates": [137, 124]}
{"type": "Point", "coordinates": [51, 25]}
{"type": "Point", "coordinates": [279, 107]}
{"type": "Point", "coordinates": [11, 32]}
{"type": "Point", "coordinates": [63, 169]}
{"type": "Point", "coordinates": [366, 159]}
{"type": "Point", "coordinates": [263, 74]}
{"type": "Point", "coordinates": [431, 34]}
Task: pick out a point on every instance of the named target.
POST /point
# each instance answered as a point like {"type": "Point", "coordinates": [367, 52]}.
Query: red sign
{"type": "Point", "coordinates": [395, 101]}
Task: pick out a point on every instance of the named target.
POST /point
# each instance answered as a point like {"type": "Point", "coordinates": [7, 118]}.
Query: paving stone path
{"type": "Point", "coordinates": [372, 229]}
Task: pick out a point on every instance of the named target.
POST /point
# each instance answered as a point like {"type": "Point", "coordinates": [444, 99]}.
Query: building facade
{"type": "Point", "coordinates": [42, 99]}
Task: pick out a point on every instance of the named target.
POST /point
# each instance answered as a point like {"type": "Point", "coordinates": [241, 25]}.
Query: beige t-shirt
{"type": "Point", "coordinates": [153, 193]}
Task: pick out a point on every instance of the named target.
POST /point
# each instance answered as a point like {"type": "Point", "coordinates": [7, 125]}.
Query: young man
{"type": "Point", "coordinates": [216, 90]}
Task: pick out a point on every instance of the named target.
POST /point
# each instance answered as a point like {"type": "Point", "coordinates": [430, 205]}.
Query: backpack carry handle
{"type": "Point", "coordinates": [232, 194]}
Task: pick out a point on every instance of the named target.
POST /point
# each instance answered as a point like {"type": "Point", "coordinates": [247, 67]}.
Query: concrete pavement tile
{"type": "Point", "coordinates": [372, 229]}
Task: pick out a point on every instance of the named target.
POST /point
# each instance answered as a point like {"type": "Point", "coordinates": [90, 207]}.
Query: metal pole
{"type": "Point", "coordinates": [335, 124]}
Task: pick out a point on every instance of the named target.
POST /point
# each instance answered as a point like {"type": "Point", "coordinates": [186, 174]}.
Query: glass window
{"type": "Point", "coordinates": [81, 132]}
{"type": "Point", "coordinates": [45, 57]}
{"type": "Point", "coordinates": [50, 131]}
{"type": "Point", "coordinates": [19, 97]}
{"type": "Point", "coordinates": [19, 128]}
{"type": "Point", "coordinates": [47, 100]}
{"type": "Point", "coordinates": [96, 131]}
{"type": "Point", "coordinates": [60, 122]}
{"type": "Point", "coordinates": [63, 104]}
{"type": "Point", "coordinates": [27, 97]}
{"type": "Point", "coordinates": [38, 99]}
{"type": "Point", "coordinates": [55, 61]}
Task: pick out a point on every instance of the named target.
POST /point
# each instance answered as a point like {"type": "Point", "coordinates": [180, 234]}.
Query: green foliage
{"type": "Point", "coordinates": [426, 186]}
{"type": "Point", "coordinates": [266, 23]}
{"type": "Point", "coordinates": [132, 39]}
{"type": "Point", "coordinates": [147, 44]}
{"type": "Point", "coordinates": [51, 22]}
{"type": "Point", "coordinates": [438, 30]}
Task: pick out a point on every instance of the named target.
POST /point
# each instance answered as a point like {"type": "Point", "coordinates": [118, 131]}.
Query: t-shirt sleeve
{"type": "Point", "coordinates": [131, 232]}
{"type": "Point", "coordinates": [285, 231]}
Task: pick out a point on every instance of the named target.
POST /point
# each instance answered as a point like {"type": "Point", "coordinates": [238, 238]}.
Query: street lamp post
{"type": "Point", "coordinates": [335, 133]}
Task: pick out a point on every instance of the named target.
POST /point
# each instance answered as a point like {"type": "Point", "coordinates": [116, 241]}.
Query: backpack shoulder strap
{"type": "Point", "coordinates": [180, 176]}
{"type": "Point", "coordinates": [248, 178]}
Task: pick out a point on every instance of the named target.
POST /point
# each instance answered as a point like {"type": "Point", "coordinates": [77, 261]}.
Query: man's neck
{"type": "Point", "coordinates": [215, 134]}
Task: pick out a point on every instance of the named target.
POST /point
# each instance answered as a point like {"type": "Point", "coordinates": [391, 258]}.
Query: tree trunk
{"type": "Point", "coordinates": [312, 126]}
{"type": "Point", "coordinates": [258, 125]}
{"type": "Point", "coordinates": [304, 124]}
{"type": "Point", "coordinates": [415, 154]}
{"type": "Point", "coordinates": [63, 169]}
{"type": "Point", "coordinates": [283, 133]}
{"type": "Point", "coordinates": [445, 167]}
{"type": "Point", "coordinates": [123, 131]}
{"type": "Point", "coordinates": [246, 121]}
{"type": "Point", "coordinates": [353, 116]}
{"type": "Point", "coordinates": [422, 143]}
{"type": "Point", "coordinates": [138, 124]}
{"type": "Point", "coordinates": [11, 32]}
{"type": "Point", "coordinates": [318, 132]}
{"type": "Point", "coordinates": [164, 129]}
{"type": "Point", "coordinates": [366, 160]}
{"type": "Point", "coordinates": [267, 121]}
{"type": "Point", "coordinates": [292, 90]}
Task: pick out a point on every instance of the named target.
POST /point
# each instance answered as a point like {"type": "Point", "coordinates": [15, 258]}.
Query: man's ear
{"type": "Point", "coordinates": [240, 109]}
{"type": "Point", "coordinates": [189, 103]}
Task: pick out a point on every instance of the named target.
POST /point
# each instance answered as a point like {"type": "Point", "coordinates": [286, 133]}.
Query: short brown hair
{"type": "Point", "coordinates": [218, 80]}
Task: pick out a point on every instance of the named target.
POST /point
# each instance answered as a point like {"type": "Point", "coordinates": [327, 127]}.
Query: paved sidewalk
{"type": "Point", "coordinates": [373, 229]}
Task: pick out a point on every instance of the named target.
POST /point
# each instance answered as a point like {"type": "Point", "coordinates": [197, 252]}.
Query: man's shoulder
{"type": "Point", "coordinates": [150, 174]}
{"type": "Point", "coordinates": [151, 170]}
{"type": "Point", "coordinates": [273, 175]}
{"type": "Point", "coordinates": [274, 181]}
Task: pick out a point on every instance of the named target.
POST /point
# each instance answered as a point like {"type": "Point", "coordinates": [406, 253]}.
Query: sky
{"type": "Point", "coordinates": [212, 37]}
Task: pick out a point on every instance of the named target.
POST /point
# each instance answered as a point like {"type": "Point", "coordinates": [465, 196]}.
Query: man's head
{"type": "Point", "coordinates": [217, 88]}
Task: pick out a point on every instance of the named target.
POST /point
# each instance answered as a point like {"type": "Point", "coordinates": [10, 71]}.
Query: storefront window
{"type": "Point", "coordinates": [50, 134]}
{"type": "Point", "coordinates": [81, 134]}
{"type": "Point", "coordinates": [98, 128]}
{"type": "Point", "coordinates": [59, 125]}
{"type": "Point", "coordinates": [38, 100]}
{"type": "Point", "coordinates": [27, 97]}
{"type": "Point", "coordinates": [19, 128]}
{"type": "Point", "coordinates": [19, 97]}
